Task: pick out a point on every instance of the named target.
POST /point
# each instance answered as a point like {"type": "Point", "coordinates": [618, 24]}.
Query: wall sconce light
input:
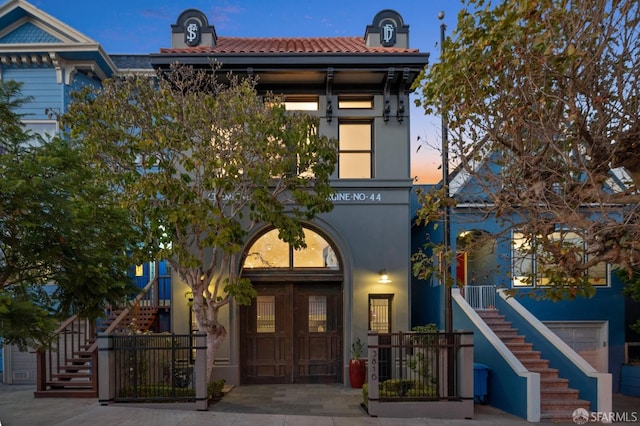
{"type": "Point", "coordinates": [384, 277]}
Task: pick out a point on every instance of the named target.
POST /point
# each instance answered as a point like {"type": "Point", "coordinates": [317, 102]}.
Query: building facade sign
{"type": "Point", "coordinates": [356, 196]}
{"type": "Point", "coordinates": [192, 34]}
{"type": "Point", "coordinates": [388, 34]}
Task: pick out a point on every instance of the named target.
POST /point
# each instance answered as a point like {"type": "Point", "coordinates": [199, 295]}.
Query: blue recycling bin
{"type": "Point", "coordinates": [480, 379]}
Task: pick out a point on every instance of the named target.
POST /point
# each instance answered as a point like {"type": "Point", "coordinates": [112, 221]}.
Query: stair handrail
{"type": "Point", "coordinates": [604, 380]}
{"type": "Point", "coordinates": [125, 312]}
{"type": "Point", "coordinates": [65, 324]}
{"type": "Point", "coordinates": [532, 379]}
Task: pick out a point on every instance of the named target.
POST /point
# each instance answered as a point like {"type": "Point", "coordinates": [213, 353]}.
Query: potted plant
{"type": "Point", "coordinates": [357, 365]}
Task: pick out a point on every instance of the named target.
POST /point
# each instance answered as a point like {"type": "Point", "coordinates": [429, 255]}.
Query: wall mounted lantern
{"type": "Point", "coordinates": [384, 277]}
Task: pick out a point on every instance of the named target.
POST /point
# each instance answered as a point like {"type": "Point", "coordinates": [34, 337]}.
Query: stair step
{"type": "Point", "coordinates": [519, 346]}
{"type": "Point", "coordinates": [509, 334]}
{"type": "Point", "coordinates": [554, 383]}
{"type": "Point", "coordinates": [558, 393]}
{"type": "Point", "coordinates": [509, 338]}
{"type": "Point", "coordinates": [532, 364]}
{"type": "Point", "coordinates": [496, 320]}
{"type": "Point", "coordinates": [527, 354]}
{"type": "Point", "coordinates": [78, 358]}
{"type": "Point", "coordinates": [70, 376]}
{"type": "Point", "coordinates": [503, 328]}
{"type": "Point", "coordinates": [74, 368]}
{"type": "Point", "coordinates": [489, 313]}
{"type": "Point", "coordinates": [54, 384]}
{"type": "Point", "coordinates": [545, 373]}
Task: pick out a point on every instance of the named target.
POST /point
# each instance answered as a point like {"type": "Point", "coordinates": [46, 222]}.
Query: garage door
{"type": "Point", "coordinates": [588, 339]}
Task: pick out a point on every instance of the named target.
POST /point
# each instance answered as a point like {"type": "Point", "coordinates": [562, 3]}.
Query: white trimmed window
{"type": "Point", "coordinates": [531, 267]}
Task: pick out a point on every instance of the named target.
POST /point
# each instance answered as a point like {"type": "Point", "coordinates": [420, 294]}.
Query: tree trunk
{"type": "Point", "coordinates": [215, 336]}
{"type": "Point", "coordinates": [206, 313]}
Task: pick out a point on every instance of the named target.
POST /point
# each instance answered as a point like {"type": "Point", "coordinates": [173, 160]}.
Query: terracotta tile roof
{"type": "Point", "coordinates": [348, 45]}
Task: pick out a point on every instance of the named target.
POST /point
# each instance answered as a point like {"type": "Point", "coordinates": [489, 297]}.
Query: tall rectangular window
{"type": "Point", "coordinates": [355, 145]}
{"type": "Point", "coordinates": [380, 312]}
{"type": "Point", "coordinates": [317, 314]}
{"type": "Point", "coordinates": [266, 314]}
{"type": "Point", "coordinates": [522, 260]}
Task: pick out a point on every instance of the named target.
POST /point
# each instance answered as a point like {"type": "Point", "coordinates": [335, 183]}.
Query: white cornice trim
{"type": "Point", "coordinates": [46, 22]}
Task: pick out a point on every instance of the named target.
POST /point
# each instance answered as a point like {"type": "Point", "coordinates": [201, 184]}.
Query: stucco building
{"type": "Point", "coordinates": [312, 304]}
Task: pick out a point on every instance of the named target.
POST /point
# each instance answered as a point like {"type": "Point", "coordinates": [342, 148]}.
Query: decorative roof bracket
{"type": "Point", "coordinates": [401, 94]}
{"type": "Point", "coordinates": [386, 112]}
{"type": "Point", "coordinates": [329, 94]}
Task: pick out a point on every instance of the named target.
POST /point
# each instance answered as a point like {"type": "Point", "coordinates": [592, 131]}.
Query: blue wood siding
{"type": "Point", "coordinates": [41, 85]}
{"type": "Point", "coordinates": [78, 82]}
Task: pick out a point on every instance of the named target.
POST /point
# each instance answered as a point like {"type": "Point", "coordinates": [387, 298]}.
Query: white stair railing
{"type": "Point", "coordinates": [480, 297]}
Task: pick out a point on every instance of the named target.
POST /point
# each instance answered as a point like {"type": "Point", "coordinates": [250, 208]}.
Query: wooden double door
{"type": "Point", "coordinates": [292, 333]}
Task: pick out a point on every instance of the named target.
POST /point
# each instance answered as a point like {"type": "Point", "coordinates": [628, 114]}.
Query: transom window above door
{"type": "Point", "coordinates": [269, 251]}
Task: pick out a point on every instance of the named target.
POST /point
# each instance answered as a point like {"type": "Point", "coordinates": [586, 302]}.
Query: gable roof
{"type": "Point", "coordinates": [31, 37]}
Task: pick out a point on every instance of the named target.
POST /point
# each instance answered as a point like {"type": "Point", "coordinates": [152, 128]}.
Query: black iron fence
{"type": "Point", "coordinates": [152, 368]}
{"type": "Point", "coordinates": [417, 366]}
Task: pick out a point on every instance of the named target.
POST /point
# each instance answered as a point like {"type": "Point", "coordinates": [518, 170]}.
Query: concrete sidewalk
{"type": "Point", "coordinates": [304, 405]}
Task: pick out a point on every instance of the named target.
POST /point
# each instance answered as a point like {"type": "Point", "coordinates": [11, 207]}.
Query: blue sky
{"type": "Point", "coordinates": [144, 26]}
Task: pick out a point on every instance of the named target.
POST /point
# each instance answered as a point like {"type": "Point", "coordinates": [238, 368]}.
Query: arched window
{"type": "Point", "coordinates": [269, 251]}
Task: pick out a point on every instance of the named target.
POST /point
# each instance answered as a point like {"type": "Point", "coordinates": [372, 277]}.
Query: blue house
{"type": "Point", "coordinates": [523, 340]}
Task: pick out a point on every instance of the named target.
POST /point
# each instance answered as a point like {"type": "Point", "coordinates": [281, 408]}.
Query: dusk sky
{"type": "Point", "coordinates": [144, 26]}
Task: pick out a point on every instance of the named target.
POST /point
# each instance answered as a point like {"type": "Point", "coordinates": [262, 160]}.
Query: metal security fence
{"type": "Point", "coordinates": [417, 366]}
{"type": "Point", "coordinates": [152, 368]}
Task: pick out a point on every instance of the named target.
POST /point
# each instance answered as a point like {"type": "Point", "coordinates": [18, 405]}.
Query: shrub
{"type": "Point", "coordinates": [214, 389]}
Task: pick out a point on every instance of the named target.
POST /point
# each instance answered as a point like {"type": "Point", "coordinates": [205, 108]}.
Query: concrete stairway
{"type": "Point", "coordinates": [557, 400]}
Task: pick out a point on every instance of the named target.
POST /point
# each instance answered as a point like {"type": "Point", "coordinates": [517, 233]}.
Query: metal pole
{"type": "Point", "coordinates": [446, 229]}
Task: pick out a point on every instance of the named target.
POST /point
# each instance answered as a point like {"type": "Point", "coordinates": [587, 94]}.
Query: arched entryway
{"type": "Point", "coordinates": [476, 267]}
{"type": "Point", "coordinates": [292, 332]}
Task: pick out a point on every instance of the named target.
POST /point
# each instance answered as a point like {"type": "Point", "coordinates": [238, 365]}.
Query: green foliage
{"type": "Point", "coordinates": [632, 289]}
{"type": "Point", "coordinates": [542, 103]}
{"type": "Point", "coordinates": [63, 237]}
{"type": "Point", "coordinates": [425, 343]}
{"type": "Point", "coordinates": [200, 164]}
{"type": "Point", "coordinates": [406, 388]}
{"type": "Point", "coordinates": [357, 349]}
{"type": "Point", "coordinates": [214, 389]}
{"type": "Point", "coordinates": [428, 261]}
{"type": "Point", "coordinates": [156, 392]}
{"type": "Point", "coordinates": [365, 394]}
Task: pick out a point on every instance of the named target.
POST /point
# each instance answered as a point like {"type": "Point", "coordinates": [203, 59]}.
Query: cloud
{"type": "Point", "coordinates": [223, 16]}
{"type": "Point", "coordinates": [157, 13]}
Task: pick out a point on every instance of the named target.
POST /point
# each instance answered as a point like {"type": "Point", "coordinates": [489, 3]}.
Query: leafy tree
{"type": "Point", "coordinates": [63, 240]}
{"type": "Point", "coordinates": [541, 99]}
{"type": "Point", "coordinates": [200, 164]}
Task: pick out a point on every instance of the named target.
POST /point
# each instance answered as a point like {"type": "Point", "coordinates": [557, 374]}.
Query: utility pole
{"type": "Point", "coordinates": [446, 270]}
